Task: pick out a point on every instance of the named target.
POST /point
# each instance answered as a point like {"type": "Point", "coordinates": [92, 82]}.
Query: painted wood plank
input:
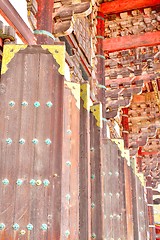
{"type": "Point", "coordinates": [119, 6]}
{"type": "Point", "coordinates": [131, 41]}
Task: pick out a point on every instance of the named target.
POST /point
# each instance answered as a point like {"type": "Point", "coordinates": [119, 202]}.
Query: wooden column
{"type": "Point", "coordinates": [44, 20]}
{"type": "Point", "coordinates": [97, 216]}
{"type": "Point", "coordinates": [125, 125]}
{"type": "Point", "coordinates": [150, 208]}
{"type": "Point", "coordinates": [31, 140]}
{"type": "Point", "coordinates": [85, 176]}
{"type": "Point", "coordinates": [128, 199]}
{"type": "Point", "coordinates": [100, 74]}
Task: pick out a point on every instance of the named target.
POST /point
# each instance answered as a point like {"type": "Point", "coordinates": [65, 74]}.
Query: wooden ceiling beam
{"type": "Point", "coordinates": [9, 13]}
{"type": "Point", "coordinates": [131, 41]}
{"type": "Point", "coordinates": [119, 6]}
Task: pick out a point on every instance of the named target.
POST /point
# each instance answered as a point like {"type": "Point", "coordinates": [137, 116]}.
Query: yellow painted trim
{"type": "Point", "coordinates": [96, 109]}
{"type": "Point", "coordinates": [9, 52]}
{"type": "Point", "coordinates": [75, 89]}
{"type": "Point", "coordinates": [85, 96]}
{"type": "Point", "coordinates": [124, 152]}
{"type": "Point", "coordinates": [58, 53]}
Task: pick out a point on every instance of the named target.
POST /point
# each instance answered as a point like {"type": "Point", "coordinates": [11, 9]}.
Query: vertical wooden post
{"type": "Point", "coordinates": [125, 131]}
{"type": "Point", "coordinates": [150, 208]}
{"type": "Point", "coordinates": [44, 20]}
{"type": "Point", "coordinates": [97, 215]}
{"type": "Point", "coordinates": [129, 206]}
{"type": "Point", "coordinates": [100, 74]}
{"type": "Point", "coordinates": [84, 164]}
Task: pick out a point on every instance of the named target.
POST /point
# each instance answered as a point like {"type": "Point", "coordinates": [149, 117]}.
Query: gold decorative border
{"type": "Point", "coordinates": [85, 96]}
{"type": "Point", "coordinates": [58, 53]}
{"type": "Point", "coordinates": [96, 109]}
{"type": "Point", "coordinates": [9, 52]}
{"type": "Point", "coordinates": [75, 89]}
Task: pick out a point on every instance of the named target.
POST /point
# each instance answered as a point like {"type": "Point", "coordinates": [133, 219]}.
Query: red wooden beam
{"type": "Point", "coordinates": [131, 41]}
{"type": "Point", "coordinates": [9, 13]}
{"type": "Point", "coordinates": [118, 6]}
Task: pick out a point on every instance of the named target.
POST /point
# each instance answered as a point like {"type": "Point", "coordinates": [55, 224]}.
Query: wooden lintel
{"type": "Point", "coordinates": [131, 41]}
{"type": "Point", "coordinates": [118, 6]}
{"type": "Point", "coordinates": [9, 13]}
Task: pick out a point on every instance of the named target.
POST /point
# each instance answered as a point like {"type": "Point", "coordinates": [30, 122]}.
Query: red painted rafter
{"type": "Point", "coordinates": [9, 13]}
{"type": "Point", "coordinates": [131, 41]}
{"type": "Point", "coordinates": [118, 6]}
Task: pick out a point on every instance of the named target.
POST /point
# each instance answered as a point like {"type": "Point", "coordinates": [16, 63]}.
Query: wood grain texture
{"type": "Point", "coordinates": [32, 76]}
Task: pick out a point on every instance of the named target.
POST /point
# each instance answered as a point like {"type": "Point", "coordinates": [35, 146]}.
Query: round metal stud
{"type": "Point", "coordinates": [30, 227]}
{"type": "Point", "coordinates": [24, 103]}
{"type": "Point", "coordinates": [68, 196]}
{"type": "Point", "coordinates": [32, 182]}
{"type": "Point", "coordinates": [110, 194]}
{"type": "Point", "coordinates": [110, 173]}
{"type": "Point", "coordinates": [46, 182]}
{"type": "Point", "coordinates": [12, 103]}
{"type": "Point", "coordinates": [93, 176]}
{"type": "Point", "coordinates": [37, 104]}
{"type": "Point", "coordinates": [49, 104]}
{"type": "Point", "coordinates": [67, 233]}
{"type": "Point", "coordinates": [38, 182]}
{"type": "Point", "coordinates": [68, 163]}
{"type": "Point", "coordinates": [69, 132]}
{"type": "Point", "coordinates": [48, 141]}
{"type": "Point", "coordinates": [22, 141]}
{"type": "Point", "coordinates": [9, 141]}
{"type": "Point", "coordinates": [2, 226]}
{"type": "Point", "coordinates": [15, 226]}
{"type": "Point", "coordinates": [93, 235]}
{"type": "Point", "coordinates": [44, 227]}
{"type": "Point", "coordinates": [35, 141]}
{"type": "Point", "coordinates": [5, 181]}
{"type": "Point", "coordinates": [117, 174]}
{"type": "Point", "coordinates": [93, 205]}
{"type": "Point", "coordinates": [22, 232]}
{"type": "Point", "coordinates": [19, 182]}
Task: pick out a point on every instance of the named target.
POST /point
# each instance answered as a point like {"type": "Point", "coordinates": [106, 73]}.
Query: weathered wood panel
{"type": "Point", "coordinates": [114, 192]}
{"type": "Point", "coordinates": [31, 133]}
{"type": "Point", "coordinates": [70, 173]}
{"type": "Point", "coordinates": [96, 169]}
{"type": "Point", "coordinates": [85, 175]}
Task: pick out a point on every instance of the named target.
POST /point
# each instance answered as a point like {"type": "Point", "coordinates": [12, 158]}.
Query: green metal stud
{"type": "Point", "coordinates": [35, 141]}
{"type": "Point", "coordinates": [68, 196]}
{"type": "Point", "coordinates": [93, 235]}
{"type": "Point", "coordinates": [15, 226]}
{"type": "Point", "coordinates": [37, 104]}
{"type": "Point", "coordinates": [67, 233]}
{"type": "Point", "coordinates": [19, 182]}
{"type": "Point", "coordinates": [69, 132]}
{"type": "Point", "coordinates": [93, 176]}
{"type": "Point", "coordinates": [2, 226]}
{"type": "Point", "coordinates": [22, 141]}
{"type": "Point", "coordinates": [68, 163]}
{"type": "Point", "coordinates": [48, 141]}
{"type": "Point", "coordinates": [9, 141]}
{"type": "Point", "coordinates": [93, 205]}
{"type": "Point", "coordinates": [5, 181]}
{"type": "Point", "coordinates": [49, 104]}
{"type": "Point", "coordinates": [24, 103]}
{"type": "Point", "coordinates": [30, 227]}
{"type": "Point", "coordinates": [44, 227]}
{"type": "Point", "coordinates": [12, 103]}
{"type": "Point", "coordinates": [46, 182]}
{"type": "Point", "coordinates": [32, 182]}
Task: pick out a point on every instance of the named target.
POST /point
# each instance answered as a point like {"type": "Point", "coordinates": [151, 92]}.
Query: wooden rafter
{"type": "Point", "coordinates": [131, 41]}
{"type": "Point", "coordinates": [118, 6]}
{"type": "Point", "coordinates": [13, 18]}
